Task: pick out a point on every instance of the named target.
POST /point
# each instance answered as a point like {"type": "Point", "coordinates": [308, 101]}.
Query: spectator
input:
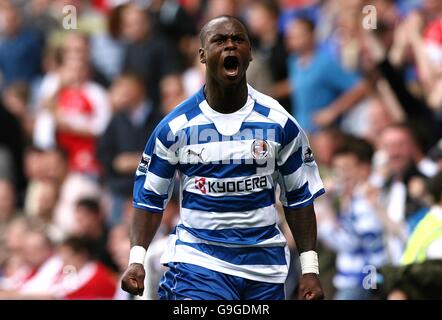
{"type": "Point", "coordinates": [356, 233]}
{"type": "Point", "coordinates": [411, 108]}
{"type": "Point", "coordinates": [79, 112]}
{"type": "Point", "coordinates": [89, 223]}
{"type": "Point", "coordinates": [41, 264]}
{"type": "Point", "coordinates": [173, 22]}
{"type": "Point", "coordinates": [107, 49]}
{"type": "Point", "coordinates": [45, 199]}
{"type": "Point", "coordinates": [420, 277]}
{"type": "Point", "coordinates": [403, 164]}
{"type": "Point", "coordinates": [172, 92]}
{"type": "Point", "coordinates": [73, 275]}
{"type": "Point", "coordinates": [268, 71]}
{"type": "Point", "coordinates": [12, 270]}
{"type": "Point", "coordinates": [85, 277]}
{"type": "Point", "coordinates": [72, 187]}
{"type": "Point", "coordinates": [425, 243]}
{"type": "Point", "coordinates": [321, 89]}
{"type": "Point", "coordinates": [122, 143]}
{"type": "Point", "coordinates": [147, 55]}
{"type": "Point", "coordinates": [38, 17]}
{"type": "Point", "coordinates": [20, 50]}
{"type": "Point", "coordinates": [73, 46]}
{"type": "Point", "coordinates": [379, 118]}
{"type": "Point", "coordinates": [45, 266]}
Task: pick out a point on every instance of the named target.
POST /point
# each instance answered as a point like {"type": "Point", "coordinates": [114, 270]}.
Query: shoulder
{"type": "Point", "coordinates": [180, 116]}
{"type": "Point", "coordinates": [272, 109]}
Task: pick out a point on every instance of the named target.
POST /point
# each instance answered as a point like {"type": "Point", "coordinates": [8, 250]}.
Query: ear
{"type": "Point", "coordinates": [202, 55]}
{"type": "Point", "coordinates": [251, 54]}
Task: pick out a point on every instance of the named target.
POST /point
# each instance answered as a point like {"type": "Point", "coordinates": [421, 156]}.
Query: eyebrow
{"type": "Point", "coordinates": [236, 34]}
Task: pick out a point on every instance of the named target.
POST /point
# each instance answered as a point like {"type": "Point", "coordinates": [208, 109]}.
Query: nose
{"type": "Point", "coordinates": [230, 45]}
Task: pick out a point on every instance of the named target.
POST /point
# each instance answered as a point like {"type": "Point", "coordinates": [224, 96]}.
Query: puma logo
{"type": "Point", "coordinates": [194, 153]}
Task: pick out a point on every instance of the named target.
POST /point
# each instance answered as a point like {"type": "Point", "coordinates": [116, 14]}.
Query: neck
{"type": "Point", "coordinates": [225, 99]}
{"type": "Point", "coordinates": [306, 54]}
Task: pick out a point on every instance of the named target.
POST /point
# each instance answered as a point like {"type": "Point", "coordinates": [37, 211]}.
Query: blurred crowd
{"type": "Point", "coordinates": [81, 91]}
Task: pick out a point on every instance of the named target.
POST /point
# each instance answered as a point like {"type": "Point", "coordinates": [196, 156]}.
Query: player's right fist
{"type": "Point", "coordinates": [133, 279]}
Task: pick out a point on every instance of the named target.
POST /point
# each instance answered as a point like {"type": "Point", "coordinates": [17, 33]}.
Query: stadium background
{"type": "Point", "coordinates": [77, 106]}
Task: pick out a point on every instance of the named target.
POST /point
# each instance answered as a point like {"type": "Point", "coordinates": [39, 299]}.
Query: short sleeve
{"type": "Point", "coordinates": [298, 174]}
{"type": "Point", "coordinates": [155, 174]}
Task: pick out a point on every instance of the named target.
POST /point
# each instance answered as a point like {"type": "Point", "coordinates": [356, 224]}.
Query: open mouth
{"type": "Point", "coordinates": [231, 65]}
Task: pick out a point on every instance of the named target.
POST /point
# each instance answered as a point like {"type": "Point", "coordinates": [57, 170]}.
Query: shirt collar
{"type": "Point", "coordinates": [227, 123]}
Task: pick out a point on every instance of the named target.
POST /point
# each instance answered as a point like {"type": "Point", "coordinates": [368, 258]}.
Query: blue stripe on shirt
{"type": "Point", "coordinates": [261, 109]}
{"type": "Point", "coordinates": [291, 131]}
{"type": "Point", "coordinates": [160, 167]}
{"type": "Point", "coordinates": [368, 250]}
{"type": "Point", "coordinates": [241, 236]}
{"type": "Point", "coordinates": [298, 195]}
{"type": "Point", "coordinates": [237, 203]}
{"type": "Point", "coordinates": [303, 199]}
{"type": "Point", "coordinates": [219, 170]}
{"type": "Point", "coordinates": [241, 256]}
{"type": "Point", "coordinates": [150, 199]}
{"type": "Point", "coordinates": [293, 163]}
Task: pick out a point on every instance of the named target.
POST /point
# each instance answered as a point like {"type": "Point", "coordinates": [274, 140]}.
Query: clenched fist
{"type": "Point", "coordinates": [133, 279]}
{"type": "Point", "coordinates": [310, 287]}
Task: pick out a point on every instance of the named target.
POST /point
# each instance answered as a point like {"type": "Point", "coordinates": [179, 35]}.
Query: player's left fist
{"type": "Point", "coordinates": [310, 287]}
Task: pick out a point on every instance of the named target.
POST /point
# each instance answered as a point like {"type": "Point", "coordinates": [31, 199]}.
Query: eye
{"type": "Point", "coordinates": [238, 39]}
{"type": "Point", "coordinates": [218, 40]}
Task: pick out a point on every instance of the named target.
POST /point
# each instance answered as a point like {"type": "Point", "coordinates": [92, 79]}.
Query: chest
{"type": "Point", "coordinates": [248, 152]}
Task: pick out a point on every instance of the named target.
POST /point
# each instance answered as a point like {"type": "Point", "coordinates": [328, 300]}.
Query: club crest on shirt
{"type": "Point", "coordinates": [144, 163]}
{"type": "Point", "coordinates": [308, 156]}
{"type": "Point", "coordinates": [260, 149]}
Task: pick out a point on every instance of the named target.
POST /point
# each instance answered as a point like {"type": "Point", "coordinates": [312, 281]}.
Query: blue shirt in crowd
{"type": "Point", "coordinates": [317, 84]}
{"type": "Point", "coordinates": [20, 57]}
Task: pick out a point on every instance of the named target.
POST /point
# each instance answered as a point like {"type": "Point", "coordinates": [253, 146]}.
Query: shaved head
{"type": "Point", "coordinates": [206, 28]}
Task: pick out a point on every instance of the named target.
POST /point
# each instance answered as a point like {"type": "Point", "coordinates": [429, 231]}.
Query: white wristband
{"type": "Point", "coordinates": [309, 262]}
{"type": "Point", "coordinates": [137, 254]}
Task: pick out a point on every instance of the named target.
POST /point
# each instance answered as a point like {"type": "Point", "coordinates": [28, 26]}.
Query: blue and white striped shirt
{"type": "Point", "coordinates": [228, 166]}
{"type": "Point", "coordinates": [357, 237]}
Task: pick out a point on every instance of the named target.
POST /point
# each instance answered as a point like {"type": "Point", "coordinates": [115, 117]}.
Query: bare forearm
{"type": "Point", "coordinates": [302, 223]}
{"type": "Point", "coordinates": [144, 227]}
{"type": "Point", "coordinates": [346, 101]}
